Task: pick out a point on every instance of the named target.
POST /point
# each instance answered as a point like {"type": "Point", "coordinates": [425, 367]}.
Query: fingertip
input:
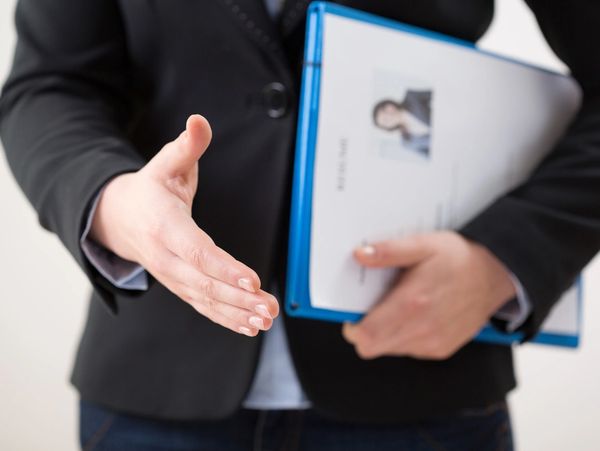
{"type": "Point", "coordinates": [248, 331]}
{"type": "Point", "coordinates": [263, 310]}
{"type": "Point", "coordinates": [367, 255]}
{"type": "Point", "coordinates": [268, 307]}
{"type": "Point", "coordinates": [367, 356]}
{"type": "Point", "coordinates": [368, 251]}
{"type": "Point", "coordinates": [198, 126]}
{"type": "Point", "coordinates": [246, 283]}
{"type": "Point", "coordinates": [248, 280]}
{"type": "Point", "coordinates": [256, 281]}
{"type": "Point", "coordinates": [349, 332]}
{"type": "Point", "coordinates": [274, 307]}
{"type": "Point", "coordinates": [193, 119]}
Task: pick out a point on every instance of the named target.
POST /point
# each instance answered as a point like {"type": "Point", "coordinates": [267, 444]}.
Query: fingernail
{"type": "Point", "coordinates": [256, 322]}
{"type": "Point", "coordinates": [245, 331]}
{"type": "Point", "coordinates": [262, 309]}
{"type": "Point", "coordinates": [367, 250]}
{"type": "Point", "coordinates": [246, 284]}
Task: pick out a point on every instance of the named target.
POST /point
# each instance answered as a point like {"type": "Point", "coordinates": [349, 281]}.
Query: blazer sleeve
{"type": "Point", "coordinates": [63, 111]}
{"type": "Point", "coordinates": [546, 230]}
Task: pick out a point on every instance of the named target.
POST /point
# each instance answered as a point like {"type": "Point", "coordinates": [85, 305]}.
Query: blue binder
{"type": "Point", "coordinates": [298, 300]}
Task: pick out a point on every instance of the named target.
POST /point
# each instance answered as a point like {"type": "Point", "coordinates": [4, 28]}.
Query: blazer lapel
{"type": "Point", "coordinates": [292, 14]}
{"type": "Point", "coordinates": [253, 18]}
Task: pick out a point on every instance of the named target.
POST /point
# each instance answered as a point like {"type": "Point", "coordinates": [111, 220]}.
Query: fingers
{"type": "Point", "coordinates": [180, 156]}
{"type": "Point", "coordinates": [395, 315]}
{"type": "Point", "coordinates": [186, 240]}
{"type": "Point", "coordinates": [199, 286]}
{"type": "Point", "coordinates": [409, 325]}
{"type": "Point", "coordinates": [400, 252]}
{"type": "Point", "coordinates": [234, 308]}
{"type": "Point", "coordinates": [223, 320]}
{"type": "Point", "coordinates": [237, 319]}
{"type": "Point", "coordinates": [394, 345]}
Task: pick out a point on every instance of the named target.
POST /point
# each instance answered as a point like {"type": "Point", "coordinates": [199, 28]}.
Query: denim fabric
{"type": "Point", "coordinates": [294, 430]}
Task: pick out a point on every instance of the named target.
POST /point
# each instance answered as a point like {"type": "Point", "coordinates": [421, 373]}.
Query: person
{"type": "Point", "coordinates": [411, 117]}
{"type": "Point", "coordinates": [187, 257]}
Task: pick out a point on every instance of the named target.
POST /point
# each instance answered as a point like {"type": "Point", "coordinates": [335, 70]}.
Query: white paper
{"type": "Point", "coordinates": [491, 122]}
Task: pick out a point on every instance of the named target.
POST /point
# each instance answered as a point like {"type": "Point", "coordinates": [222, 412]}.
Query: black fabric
{"type": "Point", "coordinates": [97, 87]}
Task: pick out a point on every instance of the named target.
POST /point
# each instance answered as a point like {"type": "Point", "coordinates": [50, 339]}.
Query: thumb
{"type": "Point", "coordinates": [180, 156]}
{"type": "Point", "coordinates": [400, 252]}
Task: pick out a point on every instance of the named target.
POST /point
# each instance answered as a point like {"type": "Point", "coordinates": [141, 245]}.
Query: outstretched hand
{"type": "Point", "coordinates": [146, 217]}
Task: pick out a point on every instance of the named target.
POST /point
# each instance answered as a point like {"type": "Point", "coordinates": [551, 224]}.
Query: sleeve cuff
{"type": "Point", "coordinates": [516, 311]}
{"type": "Point", "coordinates": [118, 271]}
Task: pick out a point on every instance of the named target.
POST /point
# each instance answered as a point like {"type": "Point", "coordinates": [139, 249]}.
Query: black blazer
{"type": "Point", "coordinates": [98, 86]}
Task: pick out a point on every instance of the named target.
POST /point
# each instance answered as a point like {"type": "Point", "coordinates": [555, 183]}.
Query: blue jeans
{"type": "Point", "coordinates": [293, 430]}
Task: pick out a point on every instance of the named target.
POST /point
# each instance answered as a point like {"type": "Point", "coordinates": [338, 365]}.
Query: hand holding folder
{"type": "Point", "coordinates": [404, 131]}
{"type": "Point", "coordinates": [448, 289]}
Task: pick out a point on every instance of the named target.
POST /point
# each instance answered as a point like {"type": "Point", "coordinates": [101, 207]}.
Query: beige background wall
{"type": "Point", "coordinates": [42, 305]}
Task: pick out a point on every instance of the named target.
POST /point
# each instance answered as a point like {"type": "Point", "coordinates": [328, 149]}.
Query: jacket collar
{"type": "Point", "coordinates": [292, 14]}
{"type": "Point", "coordinates": [254, 20]}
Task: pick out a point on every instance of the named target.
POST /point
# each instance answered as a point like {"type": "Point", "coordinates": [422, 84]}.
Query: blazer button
{"type": "Point", "coordinates": [275, 99]}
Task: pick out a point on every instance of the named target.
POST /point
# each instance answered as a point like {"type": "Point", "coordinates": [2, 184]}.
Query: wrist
{"type": "Point", "coordinates": [498, 277]}
{"type": "Point", "coordinates": [105, 221]}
